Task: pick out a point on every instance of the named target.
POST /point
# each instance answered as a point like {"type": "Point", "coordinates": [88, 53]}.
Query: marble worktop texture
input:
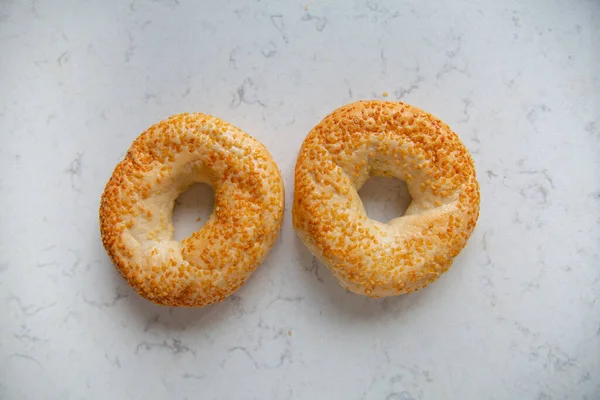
{"type": "Point", "coordinates": [516, 317]}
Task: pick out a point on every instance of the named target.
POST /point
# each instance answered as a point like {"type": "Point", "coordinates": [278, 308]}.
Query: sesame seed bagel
{"type": "Point", "coordinates": [392, 139]}
{"type": "Point", "coordinates": [137, 206]}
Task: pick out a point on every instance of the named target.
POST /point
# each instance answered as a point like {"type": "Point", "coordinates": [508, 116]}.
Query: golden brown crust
{"type": "Point", "coordinates": [137, 203]}
{"type": "Point", "coordinates": [390, 139]}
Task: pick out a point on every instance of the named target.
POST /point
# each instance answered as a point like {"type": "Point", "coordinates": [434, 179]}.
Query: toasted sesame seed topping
{"type": "Point", "coordinates": [386, 139]}
{"type": "Point", "coordinates": [137, 205]}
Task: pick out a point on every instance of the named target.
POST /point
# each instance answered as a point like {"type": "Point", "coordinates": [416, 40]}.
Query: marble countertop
{"type": "Point", "coordinates": [516, 317]}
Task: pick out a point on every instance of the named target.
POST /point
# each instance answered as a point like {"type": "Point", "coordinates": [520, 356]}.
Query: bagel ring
{"type": "Point", "coordinates": [137, 206]}
{"type": "Point", "coordinates": [384, 139]}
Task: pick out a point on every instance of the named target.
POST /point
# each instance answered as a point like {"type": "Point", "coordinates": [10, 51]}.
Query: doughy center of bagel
{"type": "Point", "coordinates": [192, 209]}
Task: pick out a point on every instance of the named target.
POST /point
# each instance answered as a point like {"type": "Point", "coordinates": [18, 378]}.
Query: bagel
{"type": "Point", "coordinates": [392, 139]}
{"type": "Point", "coordinates": [137, 205]}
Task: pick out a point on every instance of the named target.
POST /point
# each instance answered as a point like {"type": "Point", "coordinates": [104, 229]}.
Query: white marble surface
{"type": "Point", "coordinates": [517, 316]}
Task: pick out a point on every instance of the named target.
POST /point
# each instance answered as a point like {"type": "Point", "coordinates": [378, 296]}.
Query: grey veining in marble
{"type": "Point", "coordinates": [516, 317]}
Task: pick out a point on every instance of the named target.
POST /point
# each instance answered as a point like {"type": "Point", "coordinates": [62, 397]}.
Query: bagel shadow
{"type": "Point", "coordinates": [328, 293]}
{"type": "Point", "coordinates": [149, 315]}
{"type": "Point", "coordinates": [145, 315]}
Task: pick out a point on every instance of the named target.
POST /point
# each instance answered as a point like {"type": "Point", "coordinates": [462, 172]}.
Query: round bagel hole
{"type": "Point", "coordinates": [385, 198]}
{"type": "Point", "coordinates": [192, 209]}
